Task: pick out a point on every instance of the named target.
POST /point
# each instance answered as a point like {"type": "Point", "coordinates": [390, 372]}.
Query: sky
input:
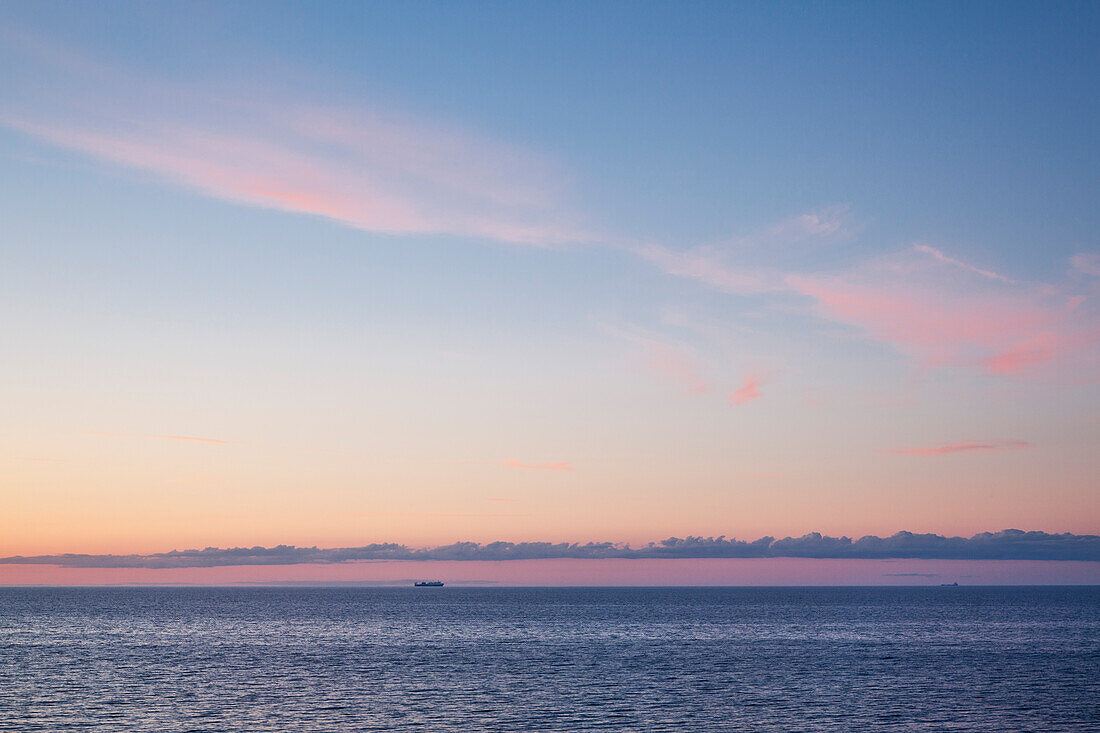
{"type": "Point", "coordinates": [340, 274]}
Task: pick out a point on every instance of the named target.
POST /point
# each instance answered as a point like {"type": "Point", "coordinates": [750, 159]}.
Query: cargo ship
{"type": "Point", "coordinates": [429, 584]}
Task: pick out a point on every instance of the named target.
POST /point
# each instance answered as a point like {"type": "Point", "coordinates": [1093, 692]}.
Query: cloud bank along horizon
{"type": "Point", "coordinates": [1010, 544]}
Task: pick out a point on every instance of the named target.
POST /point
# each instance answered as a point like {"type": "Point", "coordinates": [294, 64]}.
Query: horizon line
{"type": "Point", "coordinates": [485, 585]}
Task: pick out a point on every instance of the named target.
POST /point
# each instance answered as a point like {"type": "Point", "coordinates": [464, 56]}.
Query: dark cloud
{"type": "Point", "coordinates": [1009, 544]}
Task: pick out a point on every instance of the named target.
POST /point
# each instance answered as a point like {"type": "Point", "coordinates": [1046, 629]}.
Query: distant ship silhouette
{"type": "Point", "coordinates": [942, 585]}
{"type": "Point", "coordinates": [429, 584]}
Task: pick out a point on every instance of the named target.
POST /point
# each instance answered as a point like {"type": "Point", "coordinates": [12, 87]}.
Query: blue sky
{"type": "Point", "coordinates": [747, 269]}
{"type": "Point", "coordinates": [694, 122]}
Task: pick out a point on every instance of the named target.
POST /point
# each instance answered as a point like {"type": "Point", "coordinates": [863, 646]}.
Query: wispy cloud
{"type": "Point", "coordinates": [735, 266]}
{"type": "Point", "coordinates": [687, 367]}
{"type": "Point", "coordinates": [446, 515]}
{"type": "Point", "coordinates": [364, 166]}
{"type": "Point", "coordinates": [963, 265]}
{"type": "Point", "coordinates": [1009, 544]}
{"type": "Point", "coordinates": [711, 266]}
{"type": "Point", "coordinates": [962, 447]}
{"type": "Point", "coordinates": [830, 221]}
{"type": "Point", "coordinates": [194, 439]}
{"type": "Point", "coordinates": [749, 390]}
{"type": "Point", "coordinates": [184, 438]}
{"type": "Point", "coordinates": [674, 363]}
{"type": "Point", "coordinates": [549, 466]}
{"type": "Point", "coordinates": [103, 434]}
{"type": "Point", "coordinates": [1087, 263]}
{"type": "Point", "coordinates": [374, 168]}
{"type": "Point", "coordinates": [1022, 356]}
{"type": "Point", "coordinates": [993, 327]}
{"type": "Point", "coordinates": [936, 307]}
{"type": "Point", "coordinates": [671, 362]}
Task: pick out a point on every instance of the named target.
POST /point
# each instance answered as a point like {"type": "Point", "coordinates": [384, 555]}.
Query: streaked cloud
{"type": "Point", "coordinates": [966, 320]}
{"type": "Point", "coordinates": [749, 390]}
{"type": "Point", "coordinates": [672, 362]}
{"type": "Point", "coordinates": [367, 166]}
{"type": "Point", "coordinates": [830, 221]}
{"type": "Point", "coordinates": [746, 265]}
{"type": "Point", "coordinates": [194, 439]}
{"type": "Point", "coordinates": [548, 466]}
{"type": "Point", "coordinates": [958, 263]}
{"type": "Point", "coordinates": [1009, 544]}
{"type": "Point", "coordinates": [690, 364]}
{"type": "Point", "coordinates": [711, 266]}
{"type": "Point", "coordinates": [963, 447]}
{"type": "Point", "coordinates": [1087, 263]}
{"type": "Point", "coordinates": [935, 307]}
{"type": "Point", "coordinates": [159, 436]}
{"type": "Point", "coordinates": [103, 434]}
{"type": "Point", "coordinates": [447, 515]}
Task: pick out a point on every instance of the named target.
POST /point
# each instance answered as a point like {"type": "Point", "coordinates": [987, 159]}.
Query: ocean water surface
{"type": "Point", "coordinates": [549, 659]}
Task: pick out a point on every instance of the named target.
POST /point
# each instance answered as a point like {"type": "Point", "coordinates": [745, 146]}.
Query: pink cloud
{"type": "Point", "coordinates": [454, 515]}
{"type": "Point", "coordinates": [726, 266]}
{"type": "Point", "coordinates": [937, 308]}
{"type": "Point", "coordinates": [551, 466]}
{"type": "Point", "coordinates": [965, 447]}
{"type": "Point", "coordinates": [750, 390]}
{"type": "Point", "coordinates": [193, 438]}
{"type": "Point", "coordinates": [671, 362]}
{"type": "Point", "coordinates": [983, 322]}
{"type": "Point", "coordinates": [674, 363]}
{"type": "Point", "coordinates": [375, 170]}
{"type": "Point", "coordinates": [1023, 356]}
{"type": "Point", "coordinates": [294, 173]}
{"type": "Point", "coordinates": [710, 266]}
{"type": "Point", "coordinates": [940, 326]}
{"type": "Point", "coordinates": [1087, 263]}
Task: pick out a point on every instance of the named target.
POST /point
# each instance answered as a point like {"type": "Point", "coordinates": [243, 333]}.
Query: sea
{"type": "Point", "coordinates": [167, 659]}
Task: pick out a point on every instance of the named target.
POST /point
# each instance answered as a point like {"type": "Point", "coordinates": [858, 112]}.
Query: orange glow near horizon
{"type": "Point", "coordinates": [90, 494]}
